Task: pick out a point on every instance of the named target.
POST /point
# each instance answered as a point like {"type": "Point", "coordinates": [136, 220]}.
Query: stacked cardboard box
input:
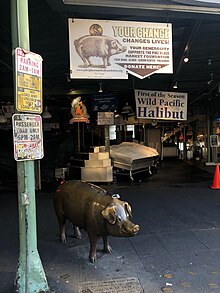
{"type": "Point", "coordinates": [98, 168]}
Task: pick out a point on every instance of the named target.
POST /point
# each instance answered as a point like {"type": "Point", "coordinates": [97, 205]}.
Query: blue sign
{"type": "Point", "coordinates": [104, 103]}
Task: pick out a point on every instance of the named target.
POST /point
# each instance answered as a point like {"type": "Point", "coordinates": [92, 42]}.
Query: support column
{"type": "Point", "coordinates": [107, 140]}
{"type": "Point", "coordinates": [208, 133]}
{"type": "Point", "coordinates": [30, 276]}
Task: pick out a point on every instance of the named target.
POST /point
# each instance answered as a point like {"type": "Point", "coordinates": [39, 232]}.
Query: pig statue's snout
{"type": "Point", "coordinates": [135, 229]}
{"type": "Point", "coordinates": [129, 229]}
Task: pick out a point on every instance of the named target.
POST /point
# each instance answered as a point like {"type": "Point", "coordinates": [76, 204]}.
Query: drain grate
{"type": "Point", "coordinates": [125, 285]}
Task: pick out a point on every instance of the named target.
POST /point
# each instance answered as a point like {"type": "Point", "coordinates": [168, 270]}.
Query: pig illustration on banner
{"type": "Point", "coordinates": [92, 208]}
{"type": "Point", "coordinates": [97, 45]}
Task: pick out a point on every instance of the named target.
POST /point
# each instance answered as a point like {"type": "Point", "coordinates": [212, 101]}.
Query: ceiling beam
{"type": "Point", "coordinates": [145, 5]}
{"type": "Point", "coordinates": [187, 43]}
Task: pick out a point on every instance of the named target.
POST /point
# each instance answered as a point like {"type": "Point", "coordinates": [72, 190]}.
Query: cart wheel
{"type": "Point", "coordinates": [153, 169]}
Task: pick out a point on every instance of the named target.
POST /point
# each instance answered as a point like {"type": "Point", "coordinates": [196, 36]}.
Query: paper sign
{"type": "Point", "coordinates": [105, 118]}
{"type": "Point", "coordinates": [28, 138]}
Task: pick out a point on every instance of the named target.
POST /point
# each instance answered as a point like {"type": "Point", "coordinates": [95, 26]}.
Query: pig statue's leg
{"type": "Point", "coordinates": [106, 247]}
{"type": "Point", "coordinates": [76, 232]}
{"type": "Point", "coordinates": [93, 239]}
{"type": "Point", "coordinates": [62, 226]}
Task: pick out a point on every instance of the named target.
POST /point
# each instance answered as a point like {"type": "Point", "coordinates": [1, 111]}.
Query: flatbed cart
{"type": "Point", "coordinates": [130, 158]}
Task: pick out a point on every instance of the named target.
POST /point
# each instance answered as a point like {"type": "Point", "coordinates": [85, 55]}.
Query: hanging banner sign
{"type": "Point", "coordinates": [28, 138]}
{"type": "Point", "coordinates": [28, 81]}
{"type": "Point", "coordinates": [161, 105]}
{"type": "Point", "coordinates": [111, 49]}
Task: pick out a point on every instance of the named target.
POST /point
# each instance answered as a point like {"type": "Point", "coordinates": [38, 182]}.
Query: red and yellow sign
{"type": "Point", "coordinates": [28, 81]}
{"type": "Point", "coordinates": [79, 111]}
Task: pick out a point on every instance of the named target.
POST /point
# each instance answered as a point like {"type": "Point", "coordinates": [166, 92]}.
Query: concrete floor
{"type": "Point", "coordinates": [177, 249]}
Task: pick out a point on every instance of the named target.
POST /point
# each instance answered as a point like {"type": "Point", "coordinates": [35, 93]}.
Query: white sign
{"type": "Point", "coordinates": [161, 105]}
{"type": "Point", "coordinates": [28, 81]}
{"type": "Point", "coordinates": [28, 138]}
{"type": "Point", "coordinates": [105, 118]}
{"type": "Point", "coordinates": [200, 2]}
{"type": "Point", "coordinates": [111, 49]}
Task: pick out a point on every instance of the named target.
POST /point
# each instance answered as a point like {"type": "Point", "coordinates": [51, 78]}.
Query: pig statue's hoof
{"type": "Point", "coordinates": [107, 249]}
{"type": "Point", "coordinates": [92, 258]}
{"type": "Point", "coordinates": [77, 233]}
{"type": "Point", "coordinates": [63, 238]}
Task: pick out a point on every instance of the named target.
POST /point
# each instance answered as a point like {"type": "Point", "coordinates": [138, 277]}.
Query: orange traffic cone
{"type": "Point", "coordinates": [216, 179]}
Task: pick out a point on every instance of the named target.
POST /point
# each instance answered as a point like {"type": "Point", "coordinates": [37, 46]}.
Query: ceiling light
{"type": "Point", "coordinates": [186, 59]}
{"type": "Point", "coordinates": [3, 119]}
{"type": "Point", "coordinates": [46, 114]}
{"type": "Point", "coordinates": [209, 62]}
{"type": "Point", "coordinates": [126, 109]}
{"type": "Point", "coordinates": [154, 123]}
{"type": "Point", "coordinates": [175, 86]}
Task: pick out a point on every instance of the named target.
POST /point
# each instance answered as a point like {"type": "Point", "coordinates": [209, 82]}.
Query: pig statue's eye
{"type": "Point", "coordinates": [119, 218]}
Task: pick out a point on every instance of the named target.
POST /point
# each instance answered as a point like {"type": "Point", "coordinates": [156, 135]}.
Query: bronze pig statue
{"type": "Point", "coordinates": [92, 208]}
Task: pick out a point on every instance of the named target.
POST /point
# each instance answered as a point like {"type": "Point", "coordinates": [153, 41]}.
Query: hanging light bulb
{"type": "Point", "coordinates": [175, 86]}
{"type": "Point", "coordinates": [100, 88]}
{"type": "Point", "coordinates": [186, 59]}
{"type": "Point", "coordinates": [46, 114]}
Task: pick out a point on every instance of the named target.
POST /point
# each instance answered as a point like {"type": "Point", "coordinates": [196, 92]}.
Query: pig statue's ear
{"type": "Point", "coordinates": [128, 208]}
{"type": "Point", "coordinates": [109, 214]}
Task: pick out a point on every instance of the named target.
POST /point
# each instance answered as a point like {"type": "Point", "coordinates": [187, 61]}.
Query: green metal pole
{"type": "Point", "coordinates": [30, 275]}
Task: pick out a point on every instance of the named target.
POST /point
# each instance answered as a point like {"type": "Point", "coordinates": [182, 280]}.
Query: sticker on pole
{"type": "Point", "coordinates": [28, 138]}
{"type": "Point", "coordinates": [28, 81]}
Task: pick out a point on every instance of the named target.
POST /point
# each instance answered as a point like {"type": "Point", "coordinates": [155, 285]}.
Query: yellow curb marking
{"type": "Point", "coordinates": [192, 273]}
{"type": "Point", "coordinates": [185, 284]}
{"type": "Point", "coordinates": [168, 276]}
{"type": "Point", "coordinates": [167, 289]}
{"type": "Point", "coordinates": [215, 273]}
{"type": "Point", "coordinates": [213, 285]}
